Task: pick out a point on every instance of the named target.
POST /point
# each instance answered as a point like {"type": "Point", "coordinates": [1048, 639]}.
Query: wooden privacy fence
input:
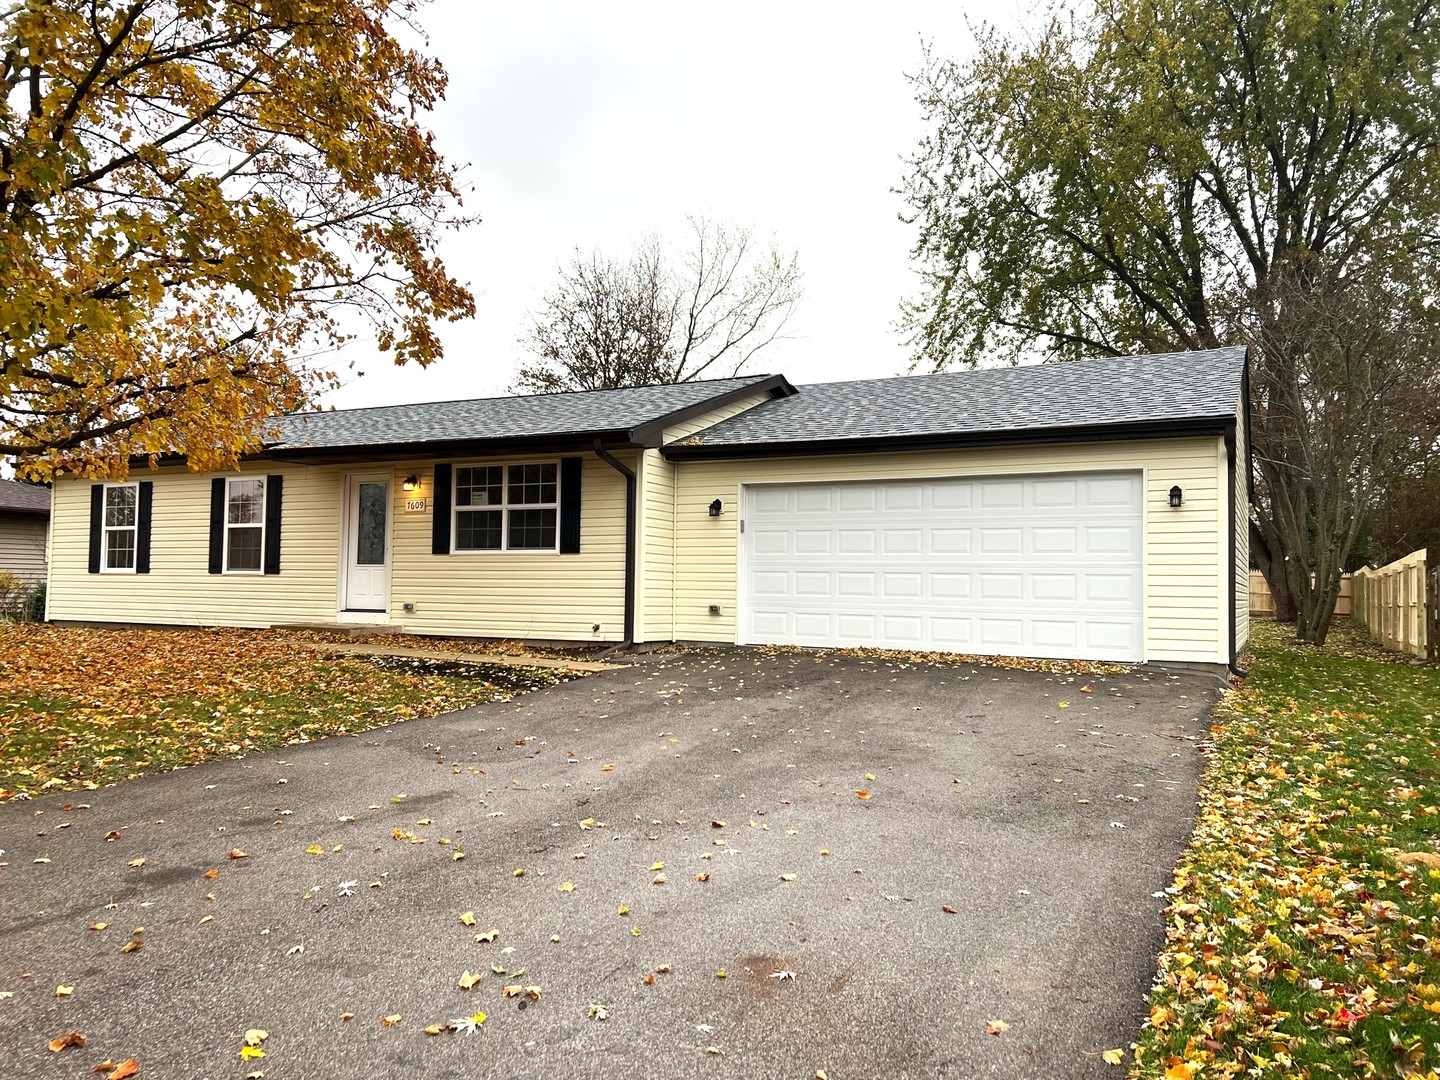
{"type": "Point", "coordinates": [1263, 603]}
{"type": "Point", "coordinates": [1399, 604]}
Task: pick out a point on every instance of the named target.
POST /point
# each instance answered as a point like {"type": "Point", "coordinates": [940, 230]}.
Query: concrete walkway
{"type": "Point", "coordinates": [450, 656]}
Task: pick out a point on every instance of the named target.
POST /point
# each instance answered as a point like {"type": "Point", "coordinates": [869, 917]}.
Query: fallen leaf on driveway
{"type": "Point", "coordinates": [64, 991]}
{"type": "Point", "coordinates": [862, 795]}
{"type": "Point", "coordinates": [469, 979]}
{"type": "Point", "coordinates": [236, 853]}
{"type": "Point", "coordinates": [568, 886]}
{"type": "Point", "coordinates": [948, 910]}
{"type": "Point", "coordinates": [488, 936]}
{"type": "Point", "coordinates": [391, 1020]}
{"type": "Point", "coordinates": [702, 877]}
{"type": "Point", "coordinates": [468, 918]}
{"type": "Point", "coordinates": [70, 1038]}
{"type": "Point", "coordinates": [435, 1029]}
{"type": "Point", "coordinates": [131, 946]}
{"type": "Point", "coordinates": [315, 849]}
{"type": "Point", "coordinates": [126, 1069]}
{"type": "Point", "coordinates": [212, 873]}
{"type": "Point", "coordinates": [995, 1027]}
{"type": "Point", "coordinates": [136, 862]}
{"type": "Point", "coordinates": [347, 1016]}
{"type": "Point", "coordinates": [787, 877]}
{"type": "Point", "coordinates": [98, 926]}
{"type": "Point", "coordinates": [1111, 1057]}
{"type": "Point", "coordinates": [112, 836]}
{"type": "Point", "coordinates": [597, 1012]}
{"type": "Point", "coordinates": [717, 824]}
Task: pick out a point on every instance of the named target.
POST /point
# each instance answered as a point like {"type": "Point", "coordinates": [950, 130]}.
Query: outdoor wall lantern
{"type": "Point", "coordinates": [412, 482]}
{"type": "Point", "coordinates": [1176, 495]}
{"type": "Point", "coordinates": [715, 508]}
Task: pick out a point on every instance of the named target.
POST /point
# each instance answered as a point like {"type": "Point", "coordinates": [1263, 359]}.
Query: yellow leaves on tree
{"type": "Point", "coordinates": [185, 207]}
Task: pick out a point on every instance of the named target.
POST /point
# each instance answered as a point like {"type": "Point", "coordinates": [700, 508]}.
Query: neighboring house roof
{"type": "Point", "coordinates": [634, 415]}
{"type": "Point", "coordinates": [1164, 394]}
{"type": "Point", "coordinates": [18, 498]}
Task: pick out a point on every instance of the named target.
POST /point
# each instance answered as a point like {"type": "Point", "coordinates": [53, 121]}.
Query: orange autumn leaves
{"type": "Point", "coordinates": [81, 707]}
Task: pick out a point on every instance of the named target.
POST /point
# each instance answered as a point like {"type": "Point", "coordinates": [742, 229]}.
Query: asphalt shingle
{"type": "Point", "coordinates": [532, 416]}
{"type": "Point", "coordinates": [1179, 387]}
{"type": "Point", "coordinates": [24, 498]}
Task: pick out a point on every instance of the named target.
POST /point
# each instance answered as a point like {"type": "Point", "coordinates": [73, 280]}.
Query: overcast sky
{"type": "Point", "coordinates": [588, 125]}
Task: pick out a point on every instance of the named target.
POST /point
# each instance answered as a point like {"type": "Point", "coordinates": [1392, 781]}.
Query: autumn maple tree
{"type": "Point", "coordinates": [197, 199]}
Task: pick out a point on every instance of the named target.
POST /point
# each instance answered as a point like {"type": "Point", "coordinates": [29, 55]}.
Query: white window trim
{"type": "Point", "coordinates": [504, 506]}
{"type": "Point", "coordinates": [225, 552]}
{"type": "Point", "coordinates": [106, 530]}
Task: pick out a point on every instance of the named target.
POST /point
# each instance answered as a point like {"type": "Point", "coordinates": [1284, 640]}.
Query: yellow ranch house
{"type": "Point", "coordinates": [1094, 510]}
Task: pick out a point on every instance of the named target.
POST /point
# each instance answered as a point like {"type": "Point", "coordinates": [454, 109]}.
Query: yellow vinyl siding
{"type": "Point", "coordinates": [1183, 547]}
{"type": "Point", "coordinates": [179, 588]}
{"type": "Point", "coordinates": [514, 594]}
{"type": "Point", "coordinates": [486, 594]}
{"type": "Point", "coordinates": [655, 577]}
{"type": "Point", "coordinates": [655, 580]}
{"type": "Point", "coordinates": [22, 546]}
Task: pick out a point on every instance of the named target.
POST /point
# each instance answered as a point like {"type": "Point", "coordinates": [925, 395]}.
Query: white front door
{"type": "Point", "coordinates": [367, 544]}
{"type": "Point", "coordinates": [1045, 566]}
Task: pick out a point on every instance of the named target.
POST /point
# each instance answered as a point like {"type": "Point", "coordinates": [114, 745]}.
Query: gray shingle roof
{"type": "Point", "coordinates": [1178, 387]}
{"type": "Point", "coordinates": [24, 498]}
{"type": "Point", "coordinates": [534, 416]}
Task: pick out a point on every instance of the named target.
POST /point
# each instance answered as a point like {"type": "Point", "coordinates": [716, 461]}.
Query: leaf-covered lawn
{"type": "Point", "coordinates": [85, 707]}
{"type": "Point", "coordinates": [1299, 945]}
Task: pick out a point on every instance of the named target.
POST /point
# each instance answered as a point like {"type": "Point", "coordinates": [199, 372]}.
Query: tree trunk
{"type": "Point", "coordinates": [1272, 567]}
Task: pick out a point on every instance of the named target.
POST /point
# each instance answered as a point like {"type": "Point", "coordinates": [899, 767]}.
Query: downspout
{"type": "Point", "coordinates": [1230, 435]}
{"type": "Point", "coordinates": [1235, 668]}
{"type": "Point", "coordinates": [630, 503]}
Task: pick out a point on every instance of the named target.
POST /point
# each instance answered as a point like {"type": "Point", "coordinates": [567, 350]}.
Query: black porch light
{"type": "Point", "coordinates": [715, 508]}
{"type": "Point", "coordinates": [1176, 495]}
{"type": "Point", "coordinates": [411, 482]}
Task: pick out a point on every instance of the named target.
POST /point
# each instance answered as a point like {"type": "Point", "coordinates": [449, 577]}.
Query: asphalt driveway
{"type": "Point", "coordinates": [689, 816]}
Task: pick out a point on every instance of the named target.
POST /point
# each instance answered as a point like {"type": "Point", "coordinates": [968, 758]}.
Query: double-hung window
{"type": "Point", "coordinates": [507, 507]}
{"type": "Point", "coordinates": [121, 528]}
{"type": "Point", "coordinates": [244, 525]}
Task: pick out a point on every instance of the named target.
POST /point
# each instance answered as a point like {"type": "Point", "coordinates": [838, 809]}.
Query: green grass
{"type": "Point", "coordinates": [85, 707]}
{"type": "Point", "coordinates": [1298, 946]}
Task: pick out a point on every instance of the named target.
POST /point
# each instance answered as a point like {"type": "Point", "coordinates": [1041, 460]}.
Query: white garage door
{"type": "Point", "coordinates": [1046, 566]}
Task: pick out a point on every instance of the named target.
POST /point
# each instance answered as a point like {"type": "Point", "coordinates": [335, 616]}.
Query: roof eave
{"type": "Point", "coordinates": [1150, 429]}
{"type": "Point", "coordinates": [570, 442]}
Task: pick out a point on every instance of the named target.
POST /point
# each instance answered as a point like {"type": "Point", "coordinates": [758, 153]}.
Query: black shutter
{"type": "Point", "coordinates": [440, 525]}
{"type": "Point", "coordinates": [570, 506]}
{"type": "Point", "coordinates": [217, 524]}
{"type": "Point", "coordinates": [142, 526]}
{"type": "Point", "coordinates": [97, 518]}
{"type": "Point", "coordinates": [274, 493]}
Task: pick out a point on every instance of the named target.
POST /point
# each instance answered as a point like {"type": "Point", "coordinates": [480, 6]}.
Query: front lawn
{"type": "Point", "coordinates": [1298, 944]}
{"type": "Point", "coordinates": [84, 707]}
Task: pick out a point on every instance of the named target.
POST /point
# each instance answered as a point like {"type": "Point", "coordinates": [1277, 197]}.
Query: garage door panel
{"type": "Point", "coordinates": [950, 541]}
{"type": "Point", "coordinates": [813, 625]}
{"type": "Point", "coordinates": [770, 541]}
{"type": "Point", "coordinates": [814, 541]}
{"type": "Point", "coordinates": [1055, 494]}
{"type": "Point", "coordinates": [1033, 566]}
{"type": "Point", "coordinates": [1054, 634]}
{"type": "Point", "coordinates": [857, 542]}
{"type": "Point", "coordinates": [1049, 587]}
{"type": "Point", "coordinates": [901, 541]}
{"type": "Point", "coordinates": [1054, 540]}
{"type": "Point", "coordinates": [1001, 634]}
